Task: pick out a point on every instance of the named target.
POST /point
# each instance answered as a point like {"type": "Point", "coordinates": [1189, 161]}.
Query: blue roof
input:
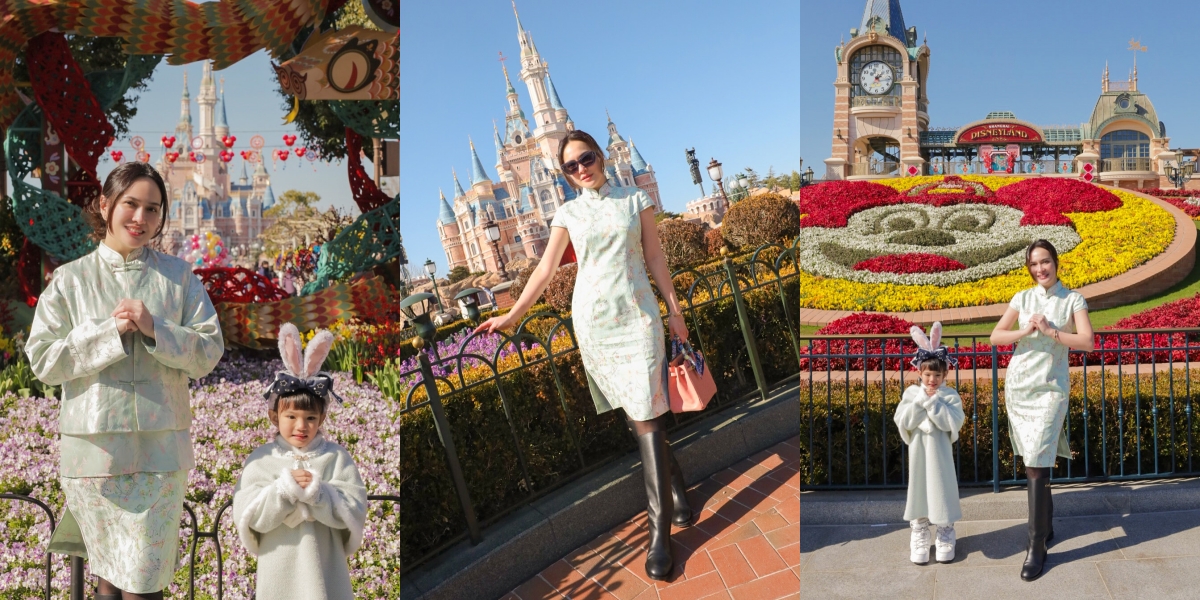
{"type": "Point", "coordinates": [568, 191]}
{"type": "Point", "coordinates": [220, 116]}
{"type": "Point", "coordinates": [233, 187]}
{"type": "Point", "coordinates": [478, 175]}
{"type": "Point", "coordinates": [205, 209]}
{"type": "Point", "coordinates": [499, 144]}
{"type": "Point", "coordinates": [446, 214]}
{"type": "Point", "coordinates": [554, 101]}
{"type": "Point", "coordinates": [268, 198]}
{"type": "Point", "coordinates": [525, 191]}
{"type": "Point", "coordinates": [458, 191]}
{"type": "Point", "coordinates": [889, 12]}
{"type": "Point", "coordinates": [501, 193]}
{"type": "Point", "coordinates": [635, 159]}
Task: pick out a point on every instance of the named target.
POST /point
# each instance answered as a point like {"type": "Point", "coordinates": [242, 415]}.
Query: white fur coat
{"type": "Point", "coordinates": [929, 425]}
{"type": "Point", "coordinates": [301, 536]}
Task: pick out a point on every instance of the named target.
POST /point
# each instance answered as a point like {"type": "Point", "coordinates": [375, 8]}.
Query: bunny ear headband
{"type": "Point", "coordinates": [928, 348]}
{"type": "Point", "coordinates": [301, 369]}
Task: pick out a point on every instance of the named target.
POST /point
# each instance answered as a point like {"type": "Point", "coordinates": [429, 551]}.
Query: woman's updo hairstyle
{"type": "Point", "coordinates": [114, 188]}
{"type": "Point", "coordinates": [578, 136]}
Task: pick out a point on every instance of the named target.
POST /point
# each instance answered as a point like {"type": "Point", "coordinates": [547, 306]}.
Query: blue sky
{"type": "Point", "coordinates": [1042, 63]}
{"type": "Point", "coordinates": [720, 77]}
{"type": "Point", "coordinates": [252, 107]}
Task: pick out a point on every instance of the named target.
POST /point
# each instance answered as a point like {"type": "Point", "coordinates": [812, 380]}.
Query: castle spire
{"type": "Point", "coordinates": [520, 29]}
{"type": "Point", "coordinates": [458, 191]}
{"type": "Point", "coordinates": [554, 101]}
{"type": "Point", "coordinates": [510, 89]}
{"type": "Point", "coordinates": [185, 109]}
{"type": "Point", "coordinates": [222, 121]}
{"type": "Point", "coordinates": [445, 214]}
{"type": "Point", "coordinates": [478, 175]}
{"type": "Point", "coordinates": [635, 159]}
{"type": "Point", "coordinates": [499, 145]}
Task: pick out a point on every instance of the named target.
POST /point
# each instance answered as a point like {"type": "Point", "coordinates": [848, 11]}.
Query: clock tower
{"type": "Point", "coordinates": [880, 106]}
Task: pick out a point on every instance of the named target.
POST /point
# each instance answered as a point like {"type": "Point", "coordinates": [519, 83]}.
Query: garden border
{"type": "Point", "coordinates": [544, 531]}
{"type": "Point", "coordinates": [1156, 275]}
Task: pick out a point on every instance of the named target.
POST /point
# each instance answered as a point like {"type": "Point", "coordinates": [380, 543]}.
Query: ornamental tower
{"type": "Point", "coordinates": [549, 128]}
{"type": "Point", "coordinates": [880, 106]}
{"type": "Point", "coordinates": [183, 129]}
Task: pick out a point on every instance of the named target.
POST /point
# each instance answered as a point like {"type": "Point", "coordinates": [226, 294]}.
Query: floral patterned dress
{"type": "Point", "coordinates": [1037, 387]}
{"type": "Point", "coordinates": [615, 313]}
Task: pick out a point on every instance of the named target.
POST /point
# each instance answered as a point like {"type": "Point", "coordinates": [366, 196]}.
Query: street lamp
{"type": "Point", "coordinates": [493, 233]}
{"type": "Point", "coordinates": [714, 173]}
{"type": "Point", "coordinates": [431, 268]}
{"type": "Point", "coordinates": [1179, 174]}
{"type": "Point", "coordinates": [468, 302]}
{"type": "Point", "coordinates": [806, 177]}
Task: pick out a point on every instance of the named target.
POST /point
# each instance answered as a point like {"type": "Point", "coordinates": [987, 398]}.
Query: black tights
{"type": "Point", "coordinates": [107, 588]}
{"type": "Point", "coordinates": [1032, 473]}
{"type": "Point", "coordinates": [643, 427]}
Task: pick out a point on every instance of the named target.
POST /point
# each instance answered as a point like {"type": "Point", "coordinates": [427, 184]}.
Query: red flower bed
{"type": "Point", "coordinates": [914, 262]}
{"type": "Point", "coordinates": [1178, 198]}
{"type": "Point", "coordinates": [1044, 201]}
{"type": "Point", "coordinates": [829, 204]}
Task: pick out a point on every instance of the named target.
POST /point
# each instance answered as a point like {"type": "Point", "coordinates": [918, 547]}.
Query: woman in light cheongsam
{"type": "Point", "coordinates": [617, 321]}
{"type": "Point", "coordinates": [1051, 320]}
{"type": "Point", "coordinates": [122, 329]}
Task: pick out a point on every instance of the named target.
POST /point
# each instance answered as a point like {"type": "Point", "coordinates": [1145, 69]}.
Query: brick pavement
{"type": "Point", "coordinates": [744, 543]}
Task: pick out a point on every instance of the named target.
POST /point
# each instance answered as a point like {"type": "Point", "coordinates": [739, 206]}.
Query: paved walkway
{"type": "Point", "coordinates": [1146, 555]}
{"type": "Point", "coordinates": [743, 545]}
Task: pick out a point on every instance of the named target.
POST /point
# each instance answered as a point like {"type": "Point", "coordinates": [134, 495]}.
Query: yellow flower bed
{"type": "Point", "coordinates": [1114, 242]}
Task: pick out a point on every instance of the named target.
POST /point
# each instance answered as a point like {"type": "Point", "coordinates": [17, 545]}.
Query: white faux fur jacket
{"type": "Point", "coordinates": [301, 536]}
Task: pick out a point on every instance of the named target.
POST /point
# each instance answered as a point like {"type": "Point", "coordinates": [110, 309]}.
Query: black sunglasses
{"type": "Point", "coordinates": [585, 160]}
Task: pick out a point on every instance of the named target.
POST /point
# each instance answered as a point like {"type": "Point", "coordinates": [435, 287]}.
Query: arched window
{"type": "Point", "coordinates": [1125, 143]}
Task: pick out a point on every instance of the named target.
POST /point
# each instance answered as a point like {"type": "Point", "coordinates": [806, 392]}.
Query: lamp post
{"type": "Point", "coordinates": [806, 177]}
{"type": "Point", "coordinates": [431, 268]}
{"type": "Point", "coordinates": [493, 233]}
{"type": "Point", "coordinates": [1179, 174]}
{"type": "Point", "coordinates": [714, 173]}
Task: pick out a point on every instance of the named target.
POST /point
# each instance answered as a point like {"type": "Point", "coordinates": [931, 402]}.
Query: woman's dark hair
{"type": "Point", "coordinates": [578, 136]}
{"type": "Point", "coordinates": [115, 185]}
{"type": "Point", "coordinates": [300, 401]}
{"type": "Point", "coordinates": [934, 364]}
{"type": "Point", "coordinates": [1044, 245]}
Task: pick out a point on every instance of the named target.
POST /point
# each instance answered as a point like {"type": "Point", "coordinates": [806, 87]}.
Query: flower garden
{"type": "Point", "coordinates": [923, 243]}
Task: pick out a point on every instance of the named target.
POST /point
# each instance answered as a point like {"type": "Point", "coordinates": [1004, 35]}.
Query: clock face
{"type": "Point", "coordinates": [876, 78]}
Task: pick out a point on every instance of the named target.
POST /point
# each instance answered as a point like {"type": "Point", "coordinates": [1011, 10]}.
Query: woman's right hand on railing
{"type": "Point", "coordinates": [494, 324]}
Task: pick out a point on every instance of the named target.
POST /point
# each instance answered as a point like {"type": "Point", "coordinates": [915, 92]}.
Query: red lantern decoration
{"type": "Point", "coordinates": [168, 141]}
{"type": "Point", "coordinates": [282, 154]}
{"type": "Point", "coordinates": [228, 140]}
{"type": "Point", "coordinates": [172, 156]}
{"type": "Point", "coordinates": [116, 155]}
{"type": "Point", "coordinates": [300, 151]}
{"type": "Point", "coordinates": [289, 140]}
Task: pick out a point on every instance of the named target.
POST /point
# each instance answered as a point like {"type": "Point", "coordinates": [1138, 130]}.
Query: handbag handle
{"type": "Point", "coordinates": [690, 355]}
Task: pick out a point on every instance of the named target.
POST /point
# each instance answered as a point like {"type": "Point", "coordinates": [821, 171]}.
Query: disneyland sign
{"type": "Point", "coordinates": [999, 133]}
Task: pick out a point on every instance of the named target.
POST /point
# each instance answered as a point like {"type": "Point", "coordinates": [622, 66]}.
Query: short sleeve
{"type": "Point", "coordinates": [643, 201]}
{"type": "Point", "coordinates": [1015, 303]}
{"type": "Point", "coordinates": [1076, 302]}
{"type": "Point", "coordinates": [560, 218]}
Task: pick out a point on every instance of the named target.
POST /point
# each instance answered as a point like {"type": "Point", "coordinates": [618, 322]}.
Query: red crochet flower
{"type": "Point", "coordinates": [913, 262]}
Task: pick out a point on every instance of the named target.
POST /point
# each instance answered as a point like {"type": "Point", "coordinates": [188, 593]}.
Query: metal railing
{"type": "Point", "coordinates": [77, 586]}
{"type": "Point", "coordinates": [886, 101]}
{"type": "Point", "coordinates": [881, 169]}
{"type": "Point", "coordinates": [1130, 410]}
{"type": "Point", "coordinates": [771, 268]}
{"type": "Point", "coordinates": [1126, 164]}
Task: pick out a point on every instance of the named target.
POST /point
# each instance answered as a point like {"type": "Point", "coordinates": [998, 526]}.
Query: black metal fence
{"type": "Point", "coordinates": [1130, 410]}
{"type": "Point", "coordinates": [77, 583]}
{"type": "Point", "coordinates": [723, 326]}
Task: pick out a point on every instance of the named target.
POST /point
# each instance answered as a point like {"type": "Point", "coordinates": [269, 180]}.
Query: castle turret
{"type": "Point", "coordinates": [183, 129]}
{"type": "Point", "coordinates": [222, 124]}
{"type": "Point", "coordinates": [207, 100]}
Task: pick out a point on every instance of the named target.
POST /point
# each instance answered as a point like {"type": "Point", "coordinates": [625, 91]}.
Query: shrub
{"type": "Point", "coordinates": [762, 219]}
{"type": "Point", "coordinates": [682, 242]}
{"type": "Point", "coordinates": [714, 242]}
{"type": "Point", "coordinates": [522, 278]}
{"type": "Point", "coordinates": [865, 323]}
{"type": "Point", "coordinates": [458, 274]}
{"type": "Point", "coordinates": [561, 288]}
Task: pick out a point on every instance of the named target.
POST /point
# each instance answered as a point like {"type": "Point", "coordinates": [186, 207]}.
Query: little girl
{"type": "Point", "coordinates": [929, 416]}
{"type": "Point", "coordinates": [300, 504]}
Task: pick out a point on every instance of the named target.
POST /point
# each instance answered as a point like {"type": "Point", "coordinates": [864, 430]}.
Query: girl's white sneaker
{"type": "Point", "coordinates": [945, 543]}
{"type": "Point", "coordinates": [919, 542]}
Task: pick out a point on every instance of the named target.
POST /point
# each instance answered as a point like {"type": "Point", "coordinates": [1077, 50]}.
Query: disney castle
{"type": "Point", "coordinates": [205, 196]}
{"type": "Point", "coordinates": [531, 184]}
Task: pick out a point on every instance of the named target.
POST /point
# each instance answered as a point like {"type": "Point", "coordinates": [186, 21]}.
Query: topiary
{"type": "Point", "coordinates": [562, 288]}
{"type": "Point", "coordinates": [762, 219]}
{"type": "Point", "coordinates": [682, 242]}
{"type": "Point", "coordinates": [714, 242]}
{"type": "Point", "coordinates": [522, 278]}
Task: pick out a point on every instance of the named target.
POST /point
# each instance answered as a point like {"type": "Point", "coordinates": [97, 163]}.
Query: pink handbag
{"type": "Point", "coordinates": [690, 383]}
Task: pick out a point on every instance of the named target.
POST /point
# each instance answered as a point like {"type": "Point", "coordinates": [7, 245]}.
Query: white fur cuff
{"type": "Point", "coordinates": [287, 486]}
{"type": "Point", "coordinates": [311, 494]}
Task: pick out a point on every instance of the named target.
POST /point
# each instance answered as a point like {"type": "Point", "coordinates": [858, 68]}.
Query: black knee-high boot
{"type": "Point", "coordinates": [682, 515]}
{"type": "Point", "coordinates": [1050, 502]}
{"type": "Point", "coordinates": [1039, 528]}
{"type": "Point", "coordinates": [656, 467]}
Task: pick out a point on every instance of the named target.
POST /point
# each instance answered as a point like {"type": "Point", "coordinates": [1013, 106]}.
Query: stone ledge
{"type": "Point", "coordinates": [981, 504]}
{"type": "Point", "coordinates": [1156, 275]}
{"type": "Point", "coordinates": [527, 542]}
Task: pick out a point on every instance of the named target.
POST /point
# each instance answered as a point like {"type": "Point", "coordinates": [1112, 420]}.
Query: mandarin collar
{"type": "Point", "coordinates": [315, 445]}
{"type": "Point", "coordinates": [604, 190]}
{"type": "Point", "coordinates": [114, 258]}
{"type": "Point", "coordinates": [1046, 293]}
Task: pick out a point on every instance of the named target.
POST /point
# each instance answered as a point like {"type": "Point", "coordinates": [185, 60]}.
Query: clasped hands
{"type": "Point", "coordinates": [1041, 324]}
{"type": "Point", "coordinates": [303, 478]}
{"type": "Point", "coordinates": [132, 315]}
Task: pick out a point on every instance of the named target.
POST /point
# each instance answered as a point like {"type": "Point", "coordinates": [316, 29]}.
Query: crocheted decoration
{"type": "Point", "coordinates": [238, 284]}
{"type": "Point", "coordinates": [369, 118]}
{"type": "Point", "coordinates": [256, 325]}
{"type": "Point", "coordinates": [372, 239]}
{"type": "Point", "coordinates": [29, 272]}
{"type": "Point", "coordinates": [224, 31]}
{"type": "Point", "coordinates": [67, 101]}
{"type": "Point", "coordinates": [366, 195]}
{"type": "Point", "coordinates": [46, 219]}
